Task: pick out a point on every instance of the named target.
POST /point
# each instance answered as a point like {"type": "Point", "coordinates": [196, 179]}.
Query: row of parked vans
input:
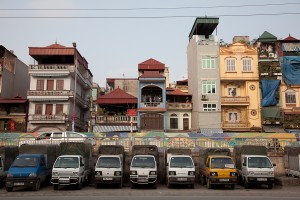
{"type": "Point", "coordinates": [72, 163]}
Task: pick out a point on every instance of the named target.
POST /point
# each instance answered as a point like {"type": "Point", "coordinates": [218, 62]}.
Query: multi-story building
{"type": "Point", "coordinates": [204, 75]}
{"type": "Point", "coordinates": [60, 92]}
{"type": "Point", "coordinates": [14, 83]}
{"type": "Point", "coordinates": [270, 77]}
{"type": "Point", "coordinates": [288, 53]}
{"type": "Point", "coordinates": [179, 110]}
{"type": "Point", "coordinates": [151, 95]}
{"type": "Point", "coordinates": [240, 99]}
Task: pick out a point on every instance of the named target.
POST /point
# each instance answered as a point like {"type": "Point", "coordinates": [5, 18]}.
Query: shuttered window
{"type": "Point", "coordinates": [38, 109]}
{"type": "Point", "coordinates": [40, 85]}
{"type": "Point", "coordinates": [59, 109]}
{"type": "Point", "coordinates": [60, 85]}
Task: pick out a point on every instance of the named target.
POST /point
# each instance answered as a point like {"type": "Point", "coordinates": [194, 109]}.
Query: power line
{"type": "Point", "coordinates": [157, 8]}
{"type": "Point", "coordinates": [142, 17]}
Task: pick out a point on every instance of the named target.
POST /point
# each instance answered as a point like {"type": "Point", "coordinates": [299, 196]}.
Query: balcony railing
{"type": "Point", "coordinates": [52, 67]}
{"type": "Point", "coordinates": [179, 106]}
{"type": "Point", "coordinates": [50, 93]}
{"type": "Point", "coordinates": [48, 118]}
{"type": "Point", "coordinates": [117, 119]}
{"type": "Point", "coordinates": [235, 100]}
{"type": "Point", "coordinates": [227, 124]}
{"type": "Point", "coordinates": [150, 104]}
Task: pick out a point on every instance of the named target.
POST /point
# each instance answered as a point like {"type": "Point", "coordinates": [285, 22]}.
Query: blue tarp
{"type": "Point", "coordinates": [290, 69]}
{"type": "Point", "coordinates": [269, 88]}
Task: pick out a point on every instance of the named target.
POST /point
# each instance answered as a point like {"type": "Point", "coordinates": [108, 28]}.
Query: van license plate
{"type": "Point", "coordinates": [18, 184]}
{"type": "Point", "coordinates": [107, 179]}
{"type": "Point", "coordinates": [143, 180]}
{"type": "Point", "coordinates": [224, 180]}
{"type": "Point", "coordinates": [181, 179]}
{"type": "Point", "coordinates": [262, 179]}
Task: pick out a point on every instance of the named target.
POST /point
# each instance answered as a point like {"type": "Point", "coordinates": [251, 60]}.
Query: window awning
{"type": "Point", "coordinates": [101, 129]}
{"type": "Point", "coordinates": [211, 130]}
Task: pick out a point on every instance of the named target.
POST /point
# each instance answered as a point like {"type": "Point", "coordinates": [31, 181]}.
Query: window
{"type": "Point", "coordinates": [38, 109]}
{"type": "Point", "coordinates": [59, 109]}
{"type": "Point", "coordinates": [230, 65]}
{"type": "Point", "coordinates": [40, 85]}
{"type": "Point", "coordinates": [60, 85]}
{"type": "Point", "coordinates": [231, 91]}
{"type": "Point", "coordinates": [208, 62]}
{"type": "Point", "coordinates": [49, 109]}
{"type": "Point", "coordinates": [57, 135]}
{"type": "Point", "coordinates": [208, 87]}
{"type": "Point", "coordinates": [174, 121]}
{"type": "Point", "coordinates": [247, 65]}
{"type": "Point", "coordinates": [209, 107]}
{"type": "Point", "coordinates": [233, 117]}
{"type": "Point", "coordinates": [290, 96]}
{"type": "Point", "coordinates": [50, 85]}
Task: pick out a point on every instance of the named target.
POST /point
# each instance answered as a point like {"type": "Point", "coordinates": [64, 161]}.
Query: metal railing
{"type": "Point", "coordinates": [193, 143]}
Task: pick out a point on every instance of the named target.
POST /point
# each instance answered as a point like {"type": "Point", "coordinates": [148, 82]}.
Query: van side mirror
{"type": "Point", "coordinates": [244, 164]}
{"type": "Point", "coordinates": [274, 164]}
{"type": "Point", "coordinates": [82, 165]}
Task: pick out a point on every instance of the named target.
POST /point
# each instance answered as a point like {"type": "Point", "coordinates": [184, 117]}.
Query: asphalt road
{"type": "Point", "coordinates": [161, 193]}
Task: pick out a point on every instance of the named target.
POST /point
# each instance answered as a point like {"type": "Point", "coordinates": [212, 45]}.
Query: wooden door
{"type": "Point", "coordinates": [185, 123]}
{"type": "Point", "coordinates": [152, 122]}
{"type": "Point", "coordinates": [50, 85]}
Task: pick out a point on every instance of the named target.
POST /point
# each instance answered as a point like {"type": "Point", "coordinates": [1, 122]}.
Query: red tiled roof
{"type": "Point", "coordinates": [289, 38]}
{"type": "Point", "coordinates": [151, 64]}
{"type": "Point", "coordinates": [117, 96]}
{"type": "Point", "coordinates": [151, 74]}
{"type": "Point", "coordinates": [54, 49]}
{"type": "Point", "coordinates": [177, 92]}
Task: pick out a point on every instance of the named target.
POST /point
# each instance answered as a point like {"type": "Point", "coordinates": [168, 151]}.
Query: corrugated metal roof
{"type": "Point", "coordinates": [273, 129]}
{"type": "Point", "coordinates": [211, 130]}
{"type": "Point", "coordinates": [16, 100]}
{"type": "Point", "coordinates": [117, 96]}
{"type": "Point", "coordinates": [151, 64]}
{"type": "Point", "coordinates": [151, 74]}
{"type": "Point", "coordinates": [54, 49]}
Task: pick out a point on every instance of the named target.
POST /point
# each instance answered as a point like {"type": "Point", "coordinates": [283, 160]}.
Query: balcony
{"type": "Point", "coordinates": [116, 119]}
{"type": "Point", "coordinates": [236, 125]}
{"type": "Point", "coordinates": [179, 106]}
{"type": "Point", "coordinates": [47, 118]}
{"type": "Point", "coordinates": [49, 94]}
{"type": "Point", "coordinates": [235, 100]}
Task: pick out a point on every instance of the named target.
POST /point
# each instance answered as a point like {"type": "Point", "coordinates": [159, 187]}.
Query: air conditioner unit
{"type": "Point", "coordinates": [271, 55]}
{"type": "Point", "coordinates": [204, 97]}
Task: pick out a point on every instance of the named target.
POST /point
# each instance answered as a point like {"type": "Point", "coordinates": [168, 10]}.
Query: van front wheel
{"type": "Point", "coordinates": [37, 185]}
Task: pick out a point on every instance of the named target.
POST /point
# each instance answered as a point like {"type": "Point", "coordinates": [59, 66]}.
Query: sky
{"type": "Point", "coordinates": [115, 36]}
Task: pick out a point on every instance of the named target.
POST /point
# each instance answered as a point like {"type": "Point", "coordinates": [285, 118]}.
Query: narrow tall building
{"type": "Point", "coordinates": [240, 93]}
{"type": "Point", "coordinates": [204, 75]}
{"type": "Point", "coordinates": [60, 94]}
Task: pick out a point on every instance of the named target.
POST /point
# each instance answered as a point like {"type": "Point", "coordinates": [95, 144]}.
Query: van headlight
{"type": "Point", "coordinates": [191, 173]}
{"type": "Point", "coordinates": [152, 173]}
{"type": "Point", "coordinates": [233, 174]}
{"type": "Point", "coordinates": [32, 175]}
{"type": "Point", "coordinates": [133, 173]}
{"type": "Point", "coordinates": [54, 173]}
{"type": "Point", "coordinates": [98, 173]}
{"type": "Point", "coordinates": [75, 173]}
{"type": "Point", "coordinates": [172, 173]}
{"type": "Point", "coordinates": [251, 173]}
{"type": "Point", "coordinates": [117, 173]}
{"type": "Point", "coordinates": [213, 174]}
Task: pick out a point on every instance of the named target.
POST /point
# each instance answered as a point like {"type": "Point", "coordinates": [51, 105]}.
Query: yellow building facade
{"type": "Point", "coordinates": [240, 93]}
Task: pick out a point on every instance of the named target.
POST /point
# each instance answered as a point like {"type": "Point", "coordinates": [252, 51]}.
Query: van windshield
{"type": "Point", "coordinates": [222, 163]}
{"type": "Point", "coordinates": [25, 162]}
{"type": "Point", "coordinates": [181, 162]}
{"type": "Point", "coordinates": [143, 162]}
{"type": "Point", "coordinates": [108, 162]}
{"type": "Point", "coordinates": [259, 162]}
{"type": "Point", "coordinates": [66, 162]}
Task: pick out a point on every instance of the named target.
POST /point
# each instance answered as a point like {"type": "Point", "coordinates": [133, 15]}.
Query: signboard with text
{"type": "Point", "coordinates": [131, 112]}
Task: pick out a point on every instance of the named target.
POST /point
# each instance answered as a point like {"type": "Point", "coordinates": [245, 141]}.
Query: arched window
{"type": "Point", "coordinates": [185, 115]}
{"type": "Point", "coordinates": [174, 121]}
